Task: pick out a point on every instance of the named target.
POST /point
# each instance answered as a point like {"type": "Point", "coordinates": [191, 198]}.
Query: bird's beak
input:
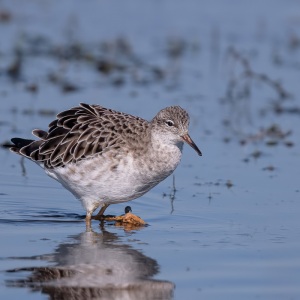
{"type": "Point", "coordinates": [189, 141]}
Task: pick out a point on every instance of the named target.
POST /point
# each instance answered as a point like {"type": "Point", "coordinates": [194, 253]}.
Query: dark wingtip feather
{"type": "Point", "coordinates": [19, 143]}
{"type": "Point", "coordinates": [25, 147]}
{"type": "Point", "coordinates": [40, 134]}
{"type": "Point", "coordinates": [15, 150]}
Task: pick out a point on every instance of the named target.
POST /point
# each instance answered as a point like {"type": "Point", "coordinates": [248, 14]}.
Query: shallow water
{"type": "Point", "coordinates": [227, 224]}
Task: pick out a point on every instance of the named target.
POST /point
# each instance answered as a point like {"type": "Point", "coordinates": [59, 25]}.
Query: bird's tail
{"type": "Point", "coordinates": [18, 144]}
{"type": "Point", "coordinates": [25, 147]}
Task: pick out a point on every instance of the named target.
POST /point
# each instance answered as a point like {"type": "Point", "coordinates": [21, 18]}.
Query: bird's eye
{"type": "Point", "coordinates": [170, 123]}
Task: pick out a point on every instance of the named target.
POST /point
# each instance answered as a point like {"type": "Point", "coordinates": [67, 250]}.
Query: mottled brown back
{"type": "Point", "coordinates": [79, 133]}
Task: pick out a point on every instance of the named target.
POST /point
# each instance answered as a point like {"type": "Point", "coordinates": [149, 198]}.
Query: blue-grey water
{"type": "Point", "coordinates": [226, 226]}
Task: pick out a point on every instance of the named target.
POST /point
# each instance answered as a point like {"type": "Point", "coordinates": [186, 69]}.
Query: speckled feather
{"type": "Point", "coordinates": [82, 132]}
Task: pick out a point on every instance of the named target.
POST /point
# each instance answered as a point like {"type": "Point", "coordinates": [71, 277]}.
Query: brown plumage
{"type": "Point", "coordinates": [78, 133]}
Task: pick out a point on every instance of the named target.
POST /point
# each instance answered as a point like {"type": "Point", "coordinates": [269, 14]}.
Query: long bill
{"type": "Point", "coordinates": [189, 141]}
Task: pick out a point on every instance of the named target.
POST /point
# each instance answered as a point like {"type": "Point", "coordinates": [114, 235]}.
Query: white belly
{"type": "Point", "coordinates": [98, 181]}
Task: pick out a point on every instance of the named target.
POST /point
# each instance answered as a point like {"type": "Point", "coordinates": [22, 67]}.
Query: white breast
{"type": "Point", "coordinates": [103, 180]}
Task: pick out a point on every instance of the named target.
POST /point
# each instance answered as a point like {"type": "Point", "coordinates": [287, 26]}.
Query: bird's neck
{"type": "Point", "coordinates": [166, 152]}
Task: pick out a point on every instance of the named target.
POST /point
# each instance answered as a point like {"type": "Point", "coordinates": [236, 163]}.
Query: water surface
{"type": "Point", "coordinates": [227, 225]}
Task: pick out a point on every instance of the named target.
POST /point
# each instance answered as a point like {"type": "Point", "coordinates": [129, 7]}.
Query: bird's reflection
{"type": "Point", "coordinates": [96, 266]}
